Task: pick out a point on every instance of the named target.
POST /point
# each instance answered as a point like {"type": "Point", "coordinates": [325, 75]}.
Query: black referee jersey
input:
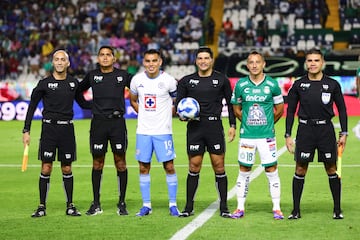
{"type": "Point", "coordinates": [209, 92]}
{"type": "Point", "coordinates": [316, 100]}
{"type": "Point", "coordinates": [107, 89]}
{"type": "Point", "coordinates": [58, 98]}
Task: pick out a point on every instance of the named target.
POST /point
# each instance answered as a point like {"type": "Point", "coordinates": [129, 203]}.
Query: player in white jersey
{"type": "Point", "coordinates": [254, 99]}
{"type": "Point", "coordinates": [152, 95]}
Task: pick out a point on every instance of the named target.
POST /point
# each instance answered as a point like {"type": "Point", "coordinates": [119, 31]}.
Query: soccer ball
{"type": "Point", "coordinates": [188, 108]}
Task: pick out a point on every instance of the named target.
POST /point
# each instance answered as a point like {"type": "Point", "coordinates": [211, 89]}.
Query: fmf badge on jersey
{"type": "Point", "coordinates": [325, 97]}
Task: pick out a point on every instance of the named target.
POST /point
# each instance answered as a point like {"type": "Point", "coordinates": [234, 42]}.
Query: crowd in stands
{"type": "Point", "coordinates": [31, 29]}
{"type": "Point", "coordinates": [273, 24]}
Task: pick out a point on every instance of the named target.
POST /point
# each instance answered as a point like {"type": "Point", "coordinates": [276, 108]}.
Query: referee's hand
{"type": "Point", "coordinates": [290, 144]}
{"type": "Point", "coordinates": [231, 134]}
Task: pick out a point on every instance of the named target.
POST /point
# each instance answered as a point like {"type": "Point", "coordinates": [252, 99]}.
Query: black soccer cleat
{"type": "Point", "coordinates": [338, 215]}
{"type": "Point", "coordinates": [186, 213]}
{"type": "Point", "coordinates": [122, 209]}
{"type": "Point", "coordinates": [72, 211]}
{"type": "Point", "coordinates": [39, 212]}
{"type": "Point", "coordinates": [294, 215]}
{"type": "Point", "coordinates": [225, 214]}
{"type": "Point", "coordinates": [94, 209]}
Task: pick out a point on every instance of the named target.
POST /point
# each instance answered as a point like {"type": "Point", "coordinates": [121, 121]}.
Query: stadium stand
{"type": "Point", "coordinates": [301, 24]}
{"type": "Point", "coordinates": [31, 30]}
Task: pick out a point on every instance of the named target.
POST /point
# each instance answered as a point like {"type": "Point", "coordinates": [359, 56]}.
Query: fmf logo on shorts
{"type": "Point", "coordinates": [48, 154]}
{"type": "Point", "coordinates": [194, 147]}
{"type": "Point", "coordinates": [304, 155]}
{"type": "Point", "coordinates": [98, 146]}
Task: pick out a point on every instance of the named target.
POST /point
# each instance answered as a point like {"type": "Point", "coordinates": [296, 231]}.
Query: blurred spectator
{"type": "Point", "coordinates": [34, 63]}
{"type": "Point", "coordinates": [47, 48]}
{"type": "Point", "coordinates": [183, 57]}
{"type": "Point", "coordinates": [13, 66]}
{"type": "Point", "coordinates": [210, 30]}
{"type": "Point", "coordinates": [228, 27]}
{"type": "Point", "coordinates": [325, 12]}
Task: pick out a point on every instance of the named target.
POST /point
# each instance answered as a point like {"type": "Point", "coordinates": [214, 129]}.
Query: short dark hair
{"type": "Point", "coordinates": [254, 52]}
{"type": "Point", "coordinates": [107, 47]}
{"type": "Point", "coordinates": [314, 51]}
{"type": "Point", "coordinates": [152, 51]}
{"type": "Point", "coordinates": [204, 49]}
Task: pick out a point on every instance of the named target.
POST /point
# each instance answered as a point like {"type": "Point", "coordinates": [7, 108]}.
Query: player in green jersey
{"type": "Point", "coordinates": [254, 99]}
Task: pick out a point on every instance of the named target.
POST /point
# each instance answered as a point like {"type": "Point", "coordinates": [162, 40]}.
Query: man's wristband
{"type": "Point", "coordinates": [343, 134]}
{"type": "Point", "coordinates": [233, 126]}
{"type": "Point", "coordinates": [287, 135]}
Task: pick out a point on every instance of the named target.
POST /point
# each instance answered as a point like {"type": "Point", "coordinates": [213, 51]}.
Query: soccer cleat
{"type": "Point", "coordinates": [186, 213]}
{"type": "Point", "coordinates": [94, 209]}
{"type": "Point", "coordinates": [294, 215]}
{"type": "Point", "coordinates": [338, 215]}
{"type": "Point", "coordinates": [174, 211]}
{"type": "Point", "coordinates": [144, 211]}
{"type": "Point", "coordinates": [72, 211]}
{"type": "Point", "coordinates": [238, 214]}
{"type": "Point", "coordinates": [122, 209]}
{"type": "Point", "coordinates": [278, 215]}
{"type": "Point", "coordinates": [225, 214]}
{"type": "Point", "coordinates": [40, 212]}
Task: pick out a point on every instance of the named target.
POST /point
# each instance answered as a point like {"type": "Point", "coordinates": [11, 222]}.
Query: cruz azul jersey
{"type": "Point", "coordinates": [257, 103]}
{"type": "Point", "coordinates": [155, 102]}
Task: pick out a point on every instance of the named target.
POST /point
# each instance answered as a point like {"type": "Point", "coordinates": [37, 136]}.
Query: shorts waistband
{"type": "Point", "coordinates": [58, 122]}
{"type": "Point", "coordinates": [314, 121]}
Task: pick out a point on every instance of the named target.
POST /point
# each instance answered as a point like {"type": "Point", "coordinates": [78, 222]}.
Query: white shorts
{"type": "Point", "coordinates": [266, 148]}
{"type": "Point", "coordinates": [162, 145]}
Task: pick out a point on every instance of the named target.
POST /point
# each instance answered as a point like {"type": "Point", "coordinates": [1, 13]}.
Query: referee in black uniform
{"type": "Point", "coordinates": [209, 88]}
{"type": "Point", "coordinates": [108, 124]}
{"type": "Point", "coordinates": [315, 93]}
{"type": "Point", "coordinates": [57, 92]}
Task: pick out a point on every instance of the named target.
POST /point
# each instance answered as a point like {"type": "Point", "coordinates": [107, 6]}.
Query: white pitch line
{"type": "Point", "coordinates": [203, 217]}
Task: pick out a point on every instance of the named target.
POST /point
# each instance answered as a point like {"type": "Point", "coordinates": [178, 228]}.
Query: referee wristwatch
{"type": "Point", "coordinates": [287, 135]}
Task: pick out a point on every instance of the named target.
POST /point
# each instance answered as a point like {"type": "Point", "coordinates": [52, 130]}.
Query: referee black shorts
{"type": "Point", "coordinates": [103, 130]}
{"type": "Point", "coordinates": [57, 136]}
{"type": "Point", "coordinates": [316, 136]}
{"type": "Point", "coordinates": [205, 135]}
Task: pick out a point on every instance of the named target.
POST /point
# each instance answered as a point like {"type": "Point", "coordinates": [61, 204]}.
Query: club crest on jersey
{"type": "Point", "coordinates": [150, 102]}
{"type": "Point", "coordinates": [266, 89]}
{"type": "Point", "coordinates": [53, 86]}
{"type": "Point", "coordinates": [119, 79]}
{"type": "Point", "coordinates": [98, 79]}
{"type": "Point", "coordinates": [325, 97]}
{"type": "Point", "coordinates": [325, 87]}
{"type": "Point", "coordinates": [215, 82]}
{"type": "Point", "coordinates": [161, 85]}
{"type": "Point", "coordinates": [72, 84]}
